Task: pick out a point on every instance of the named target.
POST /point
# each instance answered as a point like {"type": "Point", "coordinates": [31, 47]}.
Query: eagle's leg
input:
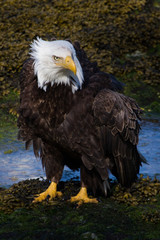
{"type": "Point", "coordinates": [82, 196]}
{"type": "Point", "coordinates": [51, 191]}
{"type": "Point", "coordinates": [52, 160]}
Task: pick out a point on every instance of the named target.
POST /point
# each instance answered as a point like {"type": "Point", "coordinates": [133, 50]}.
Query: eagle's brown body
{"type": "Point", "coordinates": [95, 129]}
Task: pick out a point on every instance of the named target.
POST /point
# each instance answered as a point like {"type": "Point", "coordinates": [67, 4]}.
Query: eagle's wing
{"type": "Point", "coordinates": [27, 113]}
{"type": "Point", "coordinates": [118, 115]}
{"type": "Point", "coordinates": [26, 77]}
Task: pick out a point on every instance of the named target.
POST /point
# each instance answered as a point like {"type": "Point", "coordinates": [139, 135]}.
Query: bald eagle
{"type": "Point", "coordinates": [74, 115]}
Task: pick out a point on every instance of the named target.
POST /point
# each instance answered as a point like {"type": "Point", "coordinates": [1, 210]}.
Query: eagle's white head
{"type": "Point", "coordinates": [56, 62]}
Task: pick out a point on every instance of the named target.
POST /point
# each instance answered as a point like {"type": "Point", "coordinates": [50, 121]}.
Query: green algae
{"type": "Point", "coordinates": [8, 110]}
{"type": "Point", "coordinates": [110, 219]}
{"type": "Point", "coordinates": [9, 151]}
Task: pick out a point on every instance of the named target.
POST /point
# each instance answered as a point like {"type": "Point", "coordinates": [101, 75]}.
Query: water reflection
{"type": "Point", "coordinates": [16, 164]}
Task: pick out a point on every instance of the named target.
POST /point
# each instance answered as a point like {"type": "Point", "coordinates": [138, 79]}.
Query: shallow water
{"type": "Point", "coordinates": [17, 164]}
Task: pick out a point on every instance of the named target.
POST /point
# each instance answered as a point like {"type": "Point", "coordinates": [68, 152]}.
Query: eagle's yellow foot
{"type": "Point", "coordinates": [51, 191]}
{"type": "Point", "coordinates": [82, 197]}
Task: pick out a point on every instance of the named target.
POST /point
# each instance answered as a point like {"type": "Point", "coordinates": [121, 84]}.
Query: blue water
{"type": "Point", "coordinates": [149, 146]}
{"type": "Point", "coordinates": [17, 164]}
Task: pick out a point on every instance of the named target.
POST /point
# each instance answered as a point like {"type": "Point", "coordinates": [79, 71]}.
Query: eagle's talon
{"type": "Point", "coordinates": [51, 192]}
{"type": "Point", "coordinates": [82, 197]}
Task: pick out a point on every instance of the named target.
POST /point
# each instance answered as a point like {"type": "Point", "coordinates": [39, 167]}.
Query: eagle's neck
{"type": "Point", "coordinates": [46, 77]}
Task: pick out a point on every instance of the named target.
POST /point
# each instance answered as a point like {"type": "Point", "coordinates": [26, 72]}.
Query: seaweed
{"type": "Point", "coordinates": [122, 36]}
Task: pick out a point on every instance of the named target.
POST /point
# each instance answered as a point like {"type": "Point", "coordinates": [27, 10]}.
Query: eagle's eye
{"type": "Point", "coordinates": [56, 58]}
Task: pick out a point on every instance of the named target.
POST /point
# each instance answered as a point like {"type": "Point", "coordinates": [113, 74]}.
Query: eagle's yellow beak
{"type": "Point", "coordinates": [69, 64]}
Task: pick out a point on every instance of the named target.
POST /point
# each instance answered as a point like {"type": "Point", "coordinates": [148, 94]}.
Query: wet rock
{"type": "Point", "coordinates": [89, 236]}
